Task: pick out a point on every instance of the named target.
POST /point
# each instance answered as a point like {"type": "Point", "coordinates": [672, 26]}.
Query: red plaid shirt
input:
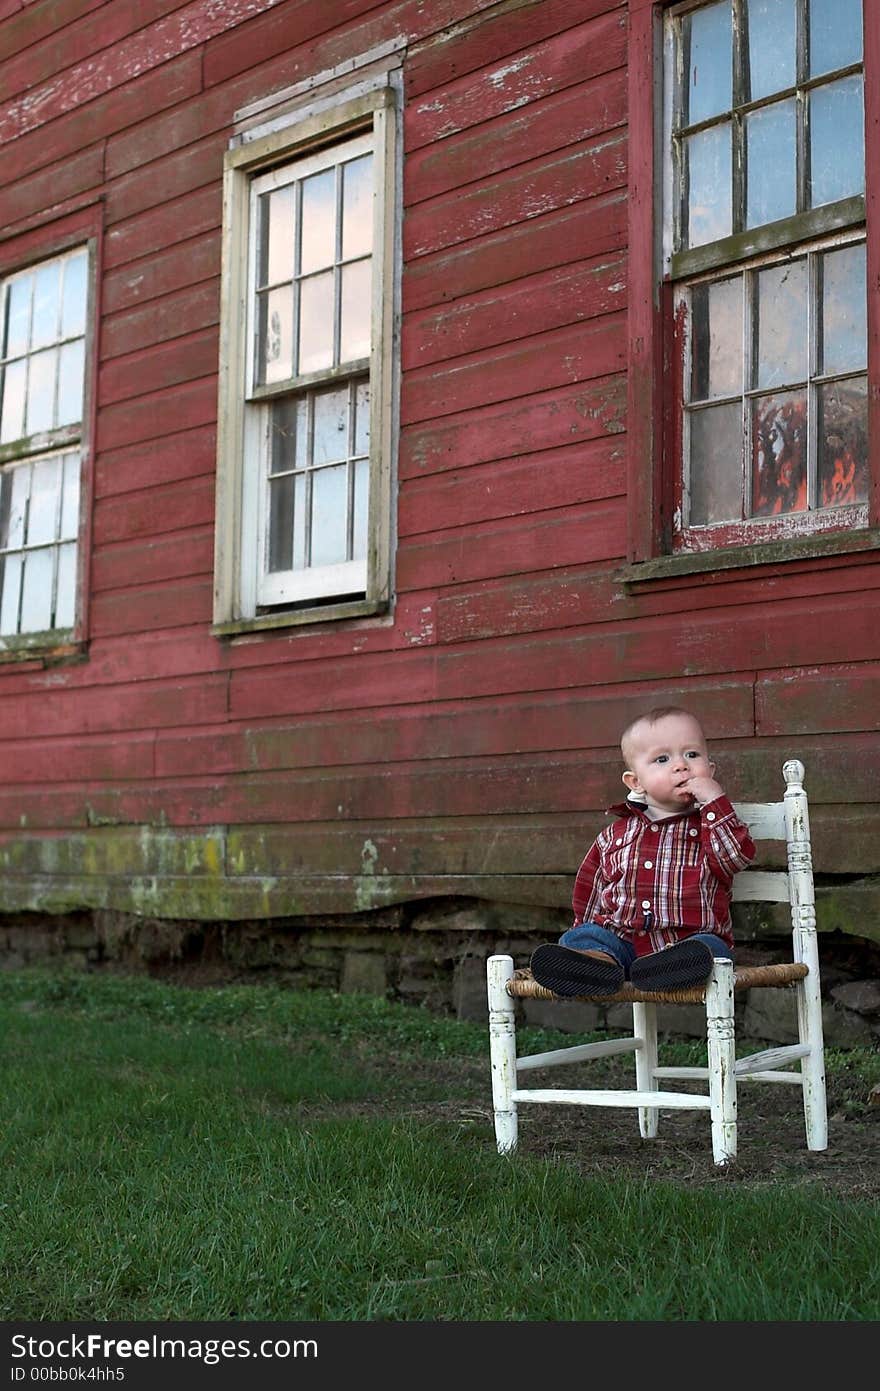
{"type": "Point", "coordinates": [655, 882]}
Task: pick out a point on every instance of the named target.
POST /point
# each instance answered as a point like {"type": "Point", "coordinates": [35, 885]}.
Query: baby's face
{"type": "Point", "coordinates": [663, 757]}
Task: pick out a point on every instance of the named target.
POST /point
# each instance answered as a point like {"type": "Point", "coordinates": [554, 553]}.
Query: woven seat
{"type": "Point", "coordinates": [801, 1064]}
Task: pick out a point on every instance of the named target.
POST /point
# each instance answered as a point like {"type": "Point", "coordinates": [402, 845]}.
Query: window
{"type": "Point", "coordinates": [306, 407]}
{"type": "Point", "coordinates": [764, 227]}
{"type": "Point", "coordinates": [42, 391]}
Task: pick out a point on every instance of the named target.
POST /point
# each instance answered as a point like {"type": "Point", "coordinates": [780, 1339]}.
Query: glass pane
{"type": "Point", "coordinates": [11, 593]}
{"type": "Point", "coordinates": [843, 442]}
{"type": "Point", "coordinates": [782, 343]}
{"type": "Point", "coordinates": [70, 382]}
{"type": "Point", "coordinates": [357, 208]}
{"type": "Point", "coordinates": [771, 185]}
{"type": "Point", "coordinates": [716, 465]}
{"type": "Point", "coordinates": [47, 291]}
{"type": "Point", "coordinates": [771, 53]}
{"type": "Point", "coordinates": [281, 524]}
{"type": "Point", "coordinates": [709, 80]}
{"type": "Point", "coordinates": [316, 323]}
{"type": "Point", "coordinates": [362, 419]}
{"type": "Point", "coordinates": [361, 507]}
{"type": "Point", "coordinates": [779, 454]}
{"type": "Point", "coordinates": [837, 141]}
{"type": "Point", "coordinates": [65, 602]}
{"type": "Point", "coordinates": [44, 510]}
{"type": "Point", "coordinates": [289, 435]}
{"type": "Point", "coordinates": [36, 591]}
{"type": "Point", "coordinates": [843, 342]}
{"type": "Point", "coordinates": [355, 312]}
{"type": "Point", "coordinates": [13, 505]}
{"type": "Point", "coordinates": [717, 337]}
{"type": "Point", "coordinates": [277, 227]}
{"type": "Point", "coordinates": [18, 315]}
{"type": "Point", "coordinates": [276, 335]}
{"type": "Point", "coordinates": [12, 420]}
{"type": "Point", "coordinates": [709, 186]}
{"type": "Point", "coordinates": [73, 306]}
{"type": "Point", "coordinates": [330, 515]}
{"type": "Point", "coordinates": [318, 248]}
{"type": "Point", "coordinates": [70, 499]}
{"type": "Point", "coordinates": [835, 34]}
{"type": "Point", "coordinates": [41, 391]}
{"type": "Point", "coordinates": [330, 442]}
{"type": "Point", "coordinates": [300, 483]}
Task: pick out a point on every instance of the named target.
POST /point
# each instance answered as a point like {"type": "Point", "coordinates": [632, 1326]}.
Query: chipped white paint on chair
{"type": "Point", "coordinates": [788, 819]}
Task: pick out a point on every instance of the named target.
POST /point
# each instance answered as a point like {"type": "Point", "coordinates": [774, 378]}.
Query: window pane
{"type": "Point", "coordinates": [316, 311]}
{"type": "Point", "coordinates": [14, 485]}
{"type": "Point", "coordinates": [329, 515]}
{"type": "Point", "coordinates": [771, 186]}
{"type": "Point", "coordinates": [716, 342]}
{"type": "Point", "coordinates": [289, 427]}
{"type": "Point", "coordinates": [65, 603]}
{"type": "Point", "coordinates": [779, 454]}
{"type": "Point", "coordinates": [73, 305]}
{"type": "Point", "coordinates": [771, 49]}
{"type": "Point", "coordinates": [9, 605]}
{"type": "Point", "coordinates": [12, 419]}
{"type": "Point", "coordinates": [36, 591]}
{"type": "Point", "coordinates": [41, 392]}
{"type": "Point", "coordinates": [331, 426]}
{"type": "Point", "coordinates": [70, 382]}
{"type": "Point", "coordinates": [70, 500]}
{"type": "Point", "coordinates": [300, 486]}
{"type": "Point", "coordinates": [281, 523]}
{"type": "Point", "coordinates": [837, 141]}
{"type": "Point", "coordinates": [44, 509]}
{"type": "Point", "coordinates": [355, 314]}
{"type": "Point", "coordinates": [47, 292]}
{"type": "Point", "coordinates": [843, 442]}
{"type": "Point", "coordinates": [709, 188]}
{"type": "Point", "coordinates": [357, 208]}
{"type": "Point", "coordinates": [361, 501]}
{"type": "Point", "coordinates": [835, 34]}
{"type": "Point", "coordinates": [277, 232]}
{"type": "Point", "coordinates": [716, 465]}
{"type": "Point", "coordinates": [275, 309]}
{"type": "Point", "coordinates": [709, 79]}
{"type": "Point", "coordinates": [318, 246]}
{"type": "Point", "coordinates": [782, 343]}
{"type": "Point", "coordinates": [18, 315]}
{"type": "Point", "coordinates": [362, 419]}
{"type": "Point", "coordinates": [843, 341]}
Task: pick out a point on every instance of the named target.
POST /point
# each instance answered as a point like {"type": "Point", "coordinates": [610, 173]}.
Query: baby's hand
{"type": "Point", "coordinates": [705, 789]}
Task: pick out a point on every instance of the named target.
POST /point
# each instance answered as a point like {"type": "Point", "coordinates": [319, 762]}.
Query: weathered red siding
{"type": "Point", "coordinates": [469, 745]}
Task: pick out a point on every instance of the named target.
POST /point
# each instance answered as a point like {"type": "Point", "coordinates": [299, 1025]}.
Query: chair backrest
{"type": "Point", "coordinates": [786, 821]}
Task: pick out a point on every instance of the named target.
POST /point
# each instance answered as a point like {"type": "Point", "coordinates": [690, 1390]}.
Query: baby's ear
{"type": "Point", "coordinates": [631, 781]}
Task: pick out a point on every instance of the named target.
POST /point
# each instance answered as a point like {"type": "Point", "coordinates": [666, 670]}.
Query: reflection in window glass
{"type": "Point", "coordinates": [355, 312]}
{"type": "Point", "coordinates": [318, 222]}
{"type": "Point", "coordinates": [709, 81]}
{"type": "Point", "coordinates": [316, 320]}
{"type": "Point", "coordinates": [771, 51]}
{"type": "Point", "coordinates": [837, 141]}
{"type": "Point", "coordinates": [782, 340]}
{"type": "Point", "coordinates": [716, 465]}
{"type": "Point", "coordinates": [329, 515]}
{"type": "Point", "coordinates": [842, 409]}
{"type": "Point", "coordinates": [709, 207]}
{"type": "Point", "coordinates": [717, 339]}
{"type": "Point", "coordinates": [835, 34]}
{"type": "Point", "coordinates": [39, 521]}
{"type": "Point", "coordinates": [779, 454]}
{"type": "Point", "coordinates": [843, 332]}
{"type": "Point", "coordinates": [357, 208]}
{"type": "Point", "coordinates": [771, 186]}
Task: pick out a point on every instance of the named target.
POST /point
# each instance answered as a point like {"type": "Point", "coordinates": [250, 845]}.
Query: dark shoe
{"type": "Point", "coordinates": [678, 967]}
{"type": "Point", "coordinates": [568, 972]}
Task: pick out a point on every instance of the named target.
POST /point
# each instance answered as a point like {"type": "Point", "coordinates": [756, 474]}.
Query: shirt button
{"type": "Point", "coordinates": [649, 864]}
{"type": "Point", "coordinates": [619, 841]}
{"type": "Point", "coordinates": [646, 903]}
{"type": "Point", "coordinates": [710, 816]}
{"type": "Point", "coordinates": [693, 832]}
{"type": "Point", "coordinates": [655, 827]}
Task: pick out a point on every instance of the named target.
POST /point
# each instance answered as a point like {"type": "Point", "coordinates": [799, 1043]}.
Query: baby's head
{"type": "Point", "coordinates": [662, 750]}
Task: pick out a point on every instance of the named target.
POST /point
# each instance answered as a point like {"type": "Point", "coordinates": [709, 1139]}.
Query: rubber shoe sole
{"type": "Point", "coordinates": [679, 967]}
{"type": "Point", "coordinates": [568, 972]}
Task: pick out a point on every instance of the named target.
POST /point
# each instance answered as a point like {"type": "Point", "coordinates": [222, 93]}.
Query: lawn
{"type": "Point", "coordinates": [257, 1153]}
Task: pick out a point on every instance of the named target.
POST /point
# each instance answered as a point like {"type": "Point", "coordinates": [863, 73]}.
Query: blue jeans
{"type": "Point", "coordinates": [592, 937]}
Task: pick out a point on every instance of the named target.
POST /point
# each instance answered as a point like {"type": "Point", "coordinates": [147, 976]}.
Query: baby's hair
{"type": "Point", "coordinates": [659, 712]}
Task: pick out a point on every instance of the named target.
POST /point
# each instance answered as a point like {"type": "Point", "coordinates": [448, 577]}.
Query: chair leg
{"type": "Point", "coordinates": [721, 1044]}
{"type": "Point", "coordinates": [502, 1044]}
{"type": "Point", "coordinates": [809, 1013]}
{"type": "Point", "coordinates": [645, 1029]}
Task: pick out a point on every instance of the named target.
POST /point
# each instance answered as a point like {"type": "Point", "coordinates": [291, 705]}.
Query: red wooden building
{"type": "Point", "coordinates": [397, 398]}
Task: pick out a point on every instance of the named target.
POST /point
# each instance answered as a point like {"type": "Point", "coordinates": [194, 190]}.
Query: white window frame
{"type": "Point", "coordinates": [371, 109]}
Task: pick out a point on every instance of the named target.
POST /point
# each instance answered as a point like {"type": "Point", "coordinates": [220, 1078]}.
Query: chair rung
{"type": "Point", "coordinates": [579, 1053]}
{"type": "Point", "coordinates": [679, 1101]}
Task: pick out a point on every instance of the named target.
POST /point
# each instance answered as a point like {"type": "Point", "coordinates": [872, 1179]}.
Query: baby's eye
{"type": "Point", "coordinates": [662, 758]}
{"type": "Point", "coordinates": [693, 753]}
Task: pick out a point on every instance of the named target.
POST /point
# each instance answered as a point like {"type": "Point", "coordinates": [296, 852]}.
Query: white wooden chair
{"type": "Point", "coordinates": [787, 820]}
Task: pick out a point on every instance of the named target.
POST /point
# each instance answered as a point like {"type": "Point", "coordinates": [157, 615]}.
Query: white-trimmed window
{"type": "Point", "coordinates": [42, 394]}
{"type": "Point", "coordinates": [764, 252]}
{"type": "Point", "coordinates": [306, 431]}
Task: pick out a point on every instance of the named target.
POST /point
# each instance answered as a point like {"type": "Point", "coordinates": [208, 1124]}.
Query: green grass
{"type": "Point", "coordinates": [245, 1153]}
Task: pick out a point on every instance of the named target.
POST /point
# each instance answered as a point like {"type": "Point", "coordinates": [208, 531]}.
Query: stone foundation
{"type": "Point", "coordinates": [431, 953]}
